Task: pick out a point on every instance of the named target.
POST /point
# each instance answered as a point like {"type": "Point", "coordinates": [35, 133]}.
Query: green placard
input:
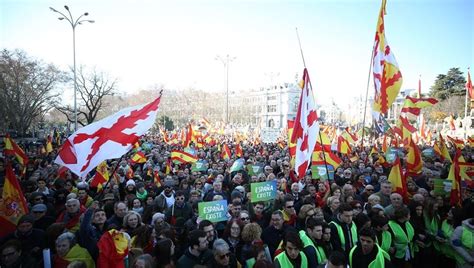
{"type": "Point", "coordinates": [263, 191]}
{"type": "Point", "coordinates": [442, 187]}
{"type": "Point", "coordinates": [199, 166]}
{"type": "Point", "coordinates": [254, 170]}
{"type": "Point", "coordinates": [214, 211]}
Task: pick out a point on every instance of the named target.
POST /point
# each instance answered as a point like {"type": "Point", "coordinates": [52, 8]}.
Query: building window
{"type": "Point", "coordinates": [271, 123]}
{"type": "Point", "coordinates": [271, 108]}
{"type": "Point", "coordinates": [270, 98]}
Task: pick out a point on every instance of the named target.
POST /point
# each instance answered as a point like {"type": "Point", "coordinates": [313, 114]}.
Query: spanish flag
{"type": "Point", "coordinates": [14, 203]}
{"type": "Point", "coordinates": [138, 158]}
{"type": "Point", "coordinates": [291, 145]}
{"type": "Point", "coordinates": [101, 176]}
{"type": "Point", "coordinates": [238, 150]}
{"type": "Point", "coordinates": [156, 178]}
{"type": "Point", "coordinates": [387, 75]}
{"type": "Point", "coordinates": [441, 150]}
{"type": "Point", "coordinates": [331, 158]}
{"type": "Point", "coordinates": [181, 157]}
{"type": "Point", "coordinates": [343, 145]}
{"type": "Point", "coordinates": [225, 152]}
{"type": "Point", "coordinates": [414, 105]}
{"type": "Point", "coordinates": [113, 249]}
{"type": "Point", "coordinates": [11, 148]}
{"type": "Point", "coordinates": [397, 179]}
{"type": "Point", "coordinates": [414, 161]}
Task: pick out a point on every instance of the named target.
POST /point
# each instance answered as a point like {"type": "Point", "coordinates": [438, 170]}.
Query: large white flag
{"type": "Point", "coordinates": [108, 138]}
{"type": "Point", "coordinates": [306, 127]}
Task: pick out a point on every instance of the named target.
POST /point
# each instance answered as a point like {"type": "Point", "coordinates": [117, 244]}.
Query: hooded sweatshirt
{"type": "Point", "coordinates": [466, 252]}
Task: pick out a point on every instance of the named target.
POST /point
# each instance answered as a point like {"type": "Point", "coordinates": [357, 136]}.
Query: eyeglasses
{"type": "Point", "coordinates": [198, 183]}
{"type": "Point", "coordinates": [38, 212]}
{"type": "Point", "coordinates": [244, 218]}
{"type": "Point", "coordinates": [290, 206]}
{"type": "Point", "coordinates": [227, 255]}
{"type": "Point", "coordinates": [369, 190]}
{"type": "Point", "coordinates": [38, 199]}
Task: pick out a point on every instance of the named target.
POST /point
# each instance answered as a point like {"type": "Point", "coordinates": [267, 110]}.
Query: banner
{"type": "Point", "coordinates": [214, 211]}
{"type": "Point", "coordinates": [263, 191]}
{"type": "Point", "coordinates": [442, 187]}
{"type": "Point", "coordinates": [199, 166]}
{"type": "Point", "coordinates": [254, 170]}
{"type": "Point", "coordinates": [237, 165]}
{"type": "Point", "coordinates": [319, 172]}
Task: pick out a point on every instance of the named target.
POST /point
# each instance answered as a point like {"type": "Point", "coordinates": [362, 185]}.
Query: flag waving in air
{"type": "Point", "coordinates": [387, 75]}
{"type": "Point", "coordinates": [469, 88]}
{"type": "Point", "coordinates": [108, 138]}
{"type": "Point", "coordinates": [306, 127]}
{"type": "Point", "coordinates": [14, 203]}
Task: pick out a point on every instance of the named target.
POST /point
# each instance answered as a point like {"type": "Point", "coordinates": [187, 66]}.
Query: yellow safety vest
{"type": "Point", "coordinates": [378, 262]}
{"type": "Point", "coordinates": [386, 241]}
{"type": "Point", "coordinates": [402, 240]}
{"type": "Point", "coordinates": [286, 263]}
{"type": "Point", "coordinates": [307, 241]}
{"type": "Point", "coordinates": [340, 233]}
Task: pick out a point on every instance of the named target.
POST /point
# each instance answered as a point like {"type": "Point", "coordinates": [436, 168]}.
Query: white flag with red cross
{"type": "Point", "coordinates": [306, 127]}
{"type": "Point", "coordinates": [108, 138]}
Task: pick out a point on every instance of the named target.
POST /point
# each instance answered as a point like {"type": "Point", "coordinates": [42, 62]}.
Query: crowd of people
{"type": "Point", "coordinates": [136, 220]}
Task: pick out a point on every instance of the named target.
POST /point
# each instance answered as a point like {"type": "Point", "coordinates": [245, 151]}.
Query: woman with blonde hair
{"type": "Point", "coordinates": [131, 222]}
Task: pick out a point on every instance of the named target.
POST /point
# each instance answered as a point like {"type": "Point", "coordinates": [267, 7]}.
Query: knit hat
{"type": "Point", "coordinates": [130, 182]}
{"type": "Point", "coordinates": [26, 218]}
{"type": "Point", "coordinates": [108, 197]}
{"type": "Point", "coordinates": [39, 208]}
{"type": "Point", "coordinates": [157, 216]}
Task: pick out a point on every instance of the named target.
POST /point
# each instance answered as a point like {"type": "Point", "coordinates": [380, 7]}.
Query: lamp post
{"type": "Point", "coordinates": [73, 22]}
{"type": "Point", "coordinates": [226, 61]}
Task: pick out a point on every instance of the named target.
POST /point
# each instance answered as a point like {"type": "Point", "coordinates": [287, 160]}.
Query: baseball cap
{"type": "Point", "coordinates": [39, 208]}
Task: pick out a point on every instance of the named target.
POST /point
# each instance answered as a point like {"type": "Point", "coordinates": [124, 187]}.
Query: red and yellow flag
{"type": "Point", "coordinates": [168, 167]}
{"type": "Point", "coordinates": [343, 145]}
{"type": "Point", "coordinates": [441, 150]}
{"type": "Point", "coordinates": [238, 150]}
{"type": "Point", "coordinates": [11, 148]}
{"type": "Point", "coordinates": [225, 152]}
{"type": "Point", "coordinates": [156, 178]}
{"type": "Point", "coordinates": [13, 205]}
{"type": "Point", "coordinates": [101, 176]}
{"type": "Point", "coordinates": [138, 158]}
{"type": "Point", "coordinates": [291, 145]}
{"type": "Point", "coordinates": [414, 105]}
{"type": "Point", "coordinates": [397, 179]}
{"type": "Point", "coordinates": [414, 161]}
{"type": "Point", "coordinates": [331, 158]}
{"type": "Point", "coordinates": [182, 157]}
{"type": "Point", "coordinates": [387, 75]}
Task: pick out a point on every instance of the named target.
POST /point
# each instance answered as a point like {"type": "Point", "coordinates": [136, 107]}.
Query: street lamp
{"type": "Point", "coordinates": [73, 23]}
{"type": "Point", "coordinates": [226, 61]}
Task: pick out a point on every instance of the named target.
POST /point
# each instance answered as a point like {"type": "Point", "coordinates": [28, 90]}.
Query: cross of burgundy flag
{"type": "Point", "coordinates": [306, 127]}
{"type": "Point", "coordinates": [108, 138]}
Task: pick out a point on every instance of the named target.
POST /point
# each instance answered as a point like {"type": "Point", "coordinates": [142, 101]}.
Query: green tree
{"type": "Point", "coordinates": [166, 121]}
{"type": "Point", "coordinates": [448, 85]}
{"type": "Point", "coordinates": [27, 89]}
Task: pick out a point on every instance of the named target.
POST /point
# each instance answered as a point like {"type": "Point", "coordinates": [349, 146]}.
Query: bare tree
{"type": "Point", "coordinates": [27, 89]}
{"type": "Point", "coordinates": [92, 89]}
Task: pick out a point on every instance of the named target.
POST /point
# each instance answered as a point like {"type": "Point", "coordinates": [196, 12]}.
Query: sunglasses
{"type": "Point", "coordinates": [38, 199]}
{"type": "Point", "coordinates": [244, 218]}
{"type": "Point", "coordinates": [38, 212]}
{"type": "Point", "coordinates": [369, 190]}
{"type": "Point", "coordinates": [227, 255]}
{"type": "Point", "coordinates": [179, 198]}
{"type": "Point", "coordinates": [290, 206]}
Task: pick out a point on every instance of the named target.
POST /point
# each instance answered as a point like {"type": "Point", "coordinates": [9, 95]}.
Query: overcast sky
{"type": "Point", "coordinates": [142, 43]}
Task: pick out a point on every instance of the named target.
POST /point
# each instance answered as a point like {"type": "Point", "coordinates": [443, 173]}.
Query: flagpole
{"type": "Point", "coordinates": [319, 131]}
{"type": "Point", "coordinates": [367, 95]}
{"type": "Point", "coordinates": [465, 111]}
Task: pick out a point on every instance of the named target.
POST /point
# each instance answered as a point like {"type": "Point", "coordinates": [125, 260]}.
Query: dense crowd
{"type": "Point", "coordinates": [137, 220]}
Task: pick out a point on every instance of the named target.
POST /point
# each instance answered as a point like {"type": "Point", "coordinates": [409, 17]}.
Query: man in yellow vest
{"type": "Point", "coordinates": [312, 239]}
{"type": "Point", "coordinates": [293, 255]}
{"type": "Point", "coordinates": [343, 230]}
{"type": "Point", "coordinates": [367, 253]}
{"type": "Point", "coordinates": [384, 237]}
{"type": "Point", "coordinates": [463, 242]}
{"type": "Point", "coordinates": [402, 237]}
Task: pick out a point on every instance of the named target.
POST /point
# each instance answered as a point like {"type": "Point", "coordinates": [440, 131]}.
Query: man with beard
{"type": "Point", "coordinates": [367, 253]}
{"type": "Point", "coordinates": [165, 199]}
{"type": "Point", "coordinates": [197, 252]}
